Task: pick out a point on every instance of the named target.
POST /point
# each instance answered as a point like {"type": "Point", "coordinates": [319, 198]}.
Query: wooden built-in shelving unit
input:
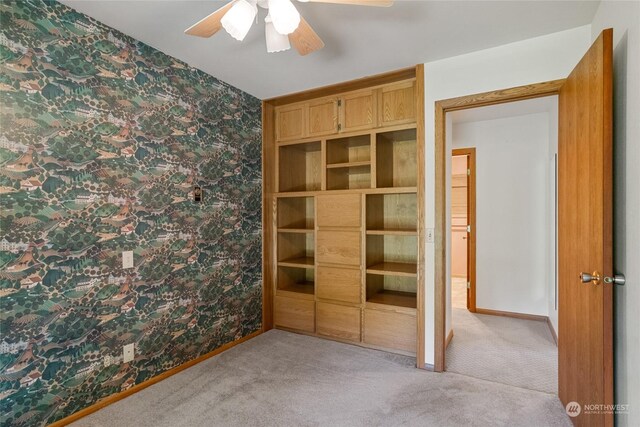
{"type": "Point", "coordinates": [343, 201]}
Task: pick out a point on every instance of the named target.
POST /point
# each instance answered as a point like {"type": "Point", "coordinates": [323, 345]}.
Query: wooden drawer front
{"type": "Point", "coordinates": [390, 329]}
{"type": "Point", "coordinates": [290, 123]}
{"type": "Point", "coordinates": [339, 284]}
{"type": "Point", "coordinates": [323, 117]}
{"type": "Point", "coordinates": [294, 313]}
{"type": "Point", "coordinates": [339, 321]}
{"type": "Point", "coordinates": [339, 210]}
{"type": "Point", "coordinates": [338, 247]}
{"type": "Point", "coordinates": [398, 104]}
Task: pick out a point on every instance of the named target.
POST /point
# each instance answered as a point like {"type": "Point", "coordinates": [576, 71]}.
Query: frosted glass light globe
{"type": "Point", "coordinates": [237, 21]}
{"type": "Point", "coordinates": [284, 15]}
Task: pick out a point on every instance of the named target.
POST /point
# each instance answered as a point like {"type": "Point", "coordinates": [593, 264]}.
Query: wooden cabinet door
{"type": "Point", "coordinates": [397, 104]}
{"type": "Point", "coordinates": [389, 329]}
{"type": "Point", "coordinates": [338, 321]}
{"type": "Point", "coordinates": [294, 313]}
{"type": "Point", "coordinates": [323, 117]}
{"type": "Point", "coordinates": [358, 111]}
{"type": "Point", "coordinates": [342, 210]}
{"type": "Point", "coordinates": [338, 247]}
{"type": "Point", "coordinates": [290, 122]}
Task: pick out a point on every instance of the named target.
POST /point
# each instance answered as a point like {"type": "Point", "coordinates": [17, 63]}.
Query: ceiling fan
{"type": "Point", "coordinates": [283, 25]}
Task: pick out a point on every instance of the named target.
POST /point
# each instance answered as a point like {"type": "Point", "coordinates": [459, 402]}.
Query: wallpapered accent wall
{"type": "Point", "coordinates": [102, 141]}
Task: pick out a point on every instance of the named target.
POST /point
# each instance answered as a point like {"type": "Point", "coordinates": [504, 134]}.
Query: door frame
{"type": "Point", "coordinates": [442, 107]}
{"type": "Point", "coordinates": [470, 152]}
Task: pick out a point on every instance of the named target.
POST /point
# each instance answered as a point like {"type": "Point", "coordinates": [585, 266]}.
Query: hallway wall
{"type": "Point", "coordinates": [511, 203]}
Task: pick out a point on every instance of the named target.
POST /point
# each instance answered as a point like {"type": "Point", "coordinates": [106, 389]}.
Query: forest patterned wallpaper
{"type": "Point", "coordinates": [102, 141]}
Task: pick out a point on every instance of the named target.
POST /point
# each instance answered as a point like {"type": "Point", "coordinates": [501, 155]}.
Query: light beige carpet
{"type": "Point", "coordinates": [510, 351]}
{"type": "Point", "coordinates": [459, 292]}
{"type": "Point", "coordinates": [285, 379]}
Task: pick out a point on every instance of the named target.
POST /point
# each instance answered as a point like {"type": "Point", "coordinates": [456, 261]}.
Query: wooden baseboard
{"type": "Point", "coordinates": [553, 331]}
{"type": "Point", "coordinates": [449, 338]}
{"type": "Point", "coordinates": [511, 314]}
{"type": "Point", "coordinates": [136, 388]}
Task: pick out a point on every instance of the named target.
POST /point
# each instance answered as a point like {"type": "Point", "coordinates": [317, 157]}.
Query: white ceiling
{"type": "Point", "coordinates": [360, 41]}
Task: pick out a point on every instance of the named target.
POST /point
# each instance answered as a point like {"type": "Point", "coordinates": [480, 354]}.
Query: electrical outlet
{"type": "Point", "coordinates": [430, 235]}
{"type": "Point", "coordinates": [128, 353]}
{"type": "Point", "coordinates": [127, 259]}
{"type": "Point", "coordinates": [107, 361]}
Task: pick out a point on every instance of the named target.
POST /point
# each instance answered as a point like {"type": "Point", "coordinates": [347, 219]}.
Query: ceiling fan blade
{"type": "Point", "coordinates": [377, 3]}
{"type": "Point", "coordinates": [210, 25]}
{"type": "Point", "coordinates": [304, 39]}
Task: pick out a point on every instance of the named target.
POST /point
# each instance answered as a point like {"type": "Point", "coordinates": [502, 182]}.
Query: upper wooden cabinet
{"type": "Point", "coordinates": [323, 117]}
{"type": "Point", "coordinates": [364, 109]}
{"type": "Point", "coordinates": [357, 111]}
{"type": "Point", "coordinates": [397, 104]}
{"type": "Point", "coordinates": [290, 122]}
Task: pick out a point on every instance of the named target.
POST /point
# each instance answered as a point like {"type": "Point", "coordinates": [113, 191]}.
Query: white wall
{"type": "Point", "coordinates": [624, 18]}
{"type": "Point", "coordinates": [535, 60]}
{"type": "Point", "coordinates": [511, 211]}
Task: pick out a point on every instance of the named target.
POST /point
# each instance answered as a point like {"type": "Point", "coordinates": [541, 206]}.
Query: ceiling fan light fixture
{"type": "Point", "coordinates": [284, 15]}
{"type": "Point", "coordinates": [276, 42]}
{"type": "Point", "coordinates": [239, 19]}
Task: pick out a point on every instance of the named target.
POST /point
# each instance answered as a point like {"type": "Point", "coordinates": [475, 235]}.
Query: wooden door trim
{"type": "Point", "coordinates": [471, 221]}
{"type": "Point", "coordinates": [519, 93]}
{"type": "Point", "coordinates": [420, 142]}
{"type": "Point", "coordinates": [269, 188]}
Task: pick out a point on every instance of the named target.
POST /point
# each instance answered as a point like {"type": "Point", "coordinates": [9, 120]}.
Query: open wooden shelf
{"type": "Point", "coordinates": [296, 249]}
{"type": "Point", "coordinates": [394, 269]}
{"type": "Point", "coordinates": [407, 232]}
{"type": "Point", "coordinates": [296, 281]}
{"type": "Point", "coordinates": [295, 213]}
{"type": "Point", "coordinates": [349, 177]}
{"type": "Point", "coordinates": [395, 298]}
{"type": "Point", "coordinates": [295, 230]}
{"type": "Point", "coordinates": [304, 262]}
{"type": "Point", "coordinates": [300, 167]}
{"type": "Point", "coordinates": [394, 213]}
{"type": "Point", "coordinates": [301, 290]}
{"type": "Point", "coordinates": [352, 149]}
{"type": "Point", "coordinates": [348, 165]}
{"type": "Point", "coordinates": [394, 290]}
{"type": "Point", "coordinates": [396, 159]}
{"type": "Point", "coordinates": [392, 254]}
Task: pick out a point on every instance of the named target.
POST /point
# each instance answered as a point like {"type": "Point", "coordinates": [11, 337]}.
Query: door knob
{"type": "Point", "coordinates": [593, 277]}
{"type": "Point", "coordinates": [617, 279]}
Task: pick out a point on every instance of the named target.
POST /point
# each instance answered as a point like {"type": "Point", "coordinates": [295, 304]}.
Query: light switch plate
{"type": "Point", "coordinates": [430, 237]}
{"type": "Point", "coordinates": [127, 259]}
{"type": "Point", "coordinates": [128, 353]}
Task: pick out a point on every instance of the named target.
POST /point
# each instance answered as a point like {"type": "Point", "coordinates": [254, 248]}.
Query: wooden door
{"type": "Point", "coordinates": [358, 111]}
{"type": "Point", "coordinates": [585, 338]}
{"type": "Point", "coordinates": [323, 117]}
